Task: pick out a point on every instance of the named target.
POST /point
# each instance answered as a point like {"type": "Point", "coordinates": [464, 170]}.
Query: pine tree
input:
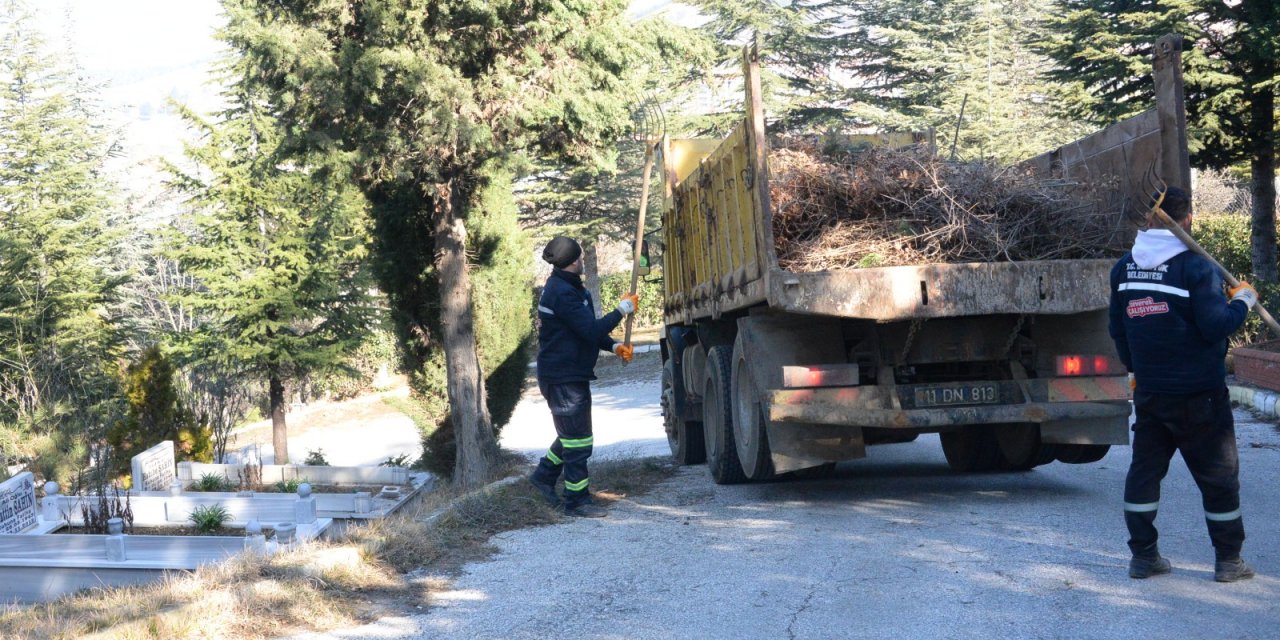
{"type": "Point", "coordinates": [1103, 48]}
{"type": "Point", "coordinates": [430, 98]}
{"type": "Point", "coordinates": [58, 337]}
{"type": "Point", "coordinates": [907, 65]}
{"type": "Point", "coordinates": [276, 253]}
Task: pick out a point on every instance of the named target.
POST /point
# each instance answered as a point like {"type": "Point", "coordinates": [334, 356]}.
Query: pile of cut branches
{"type": "Point", "coordinates": [883, 207]}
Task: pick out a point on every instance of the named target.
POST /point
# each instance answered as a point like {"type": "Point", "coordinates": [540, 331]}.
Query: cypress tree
{"type": "Point", "coordinates": [427, 98]}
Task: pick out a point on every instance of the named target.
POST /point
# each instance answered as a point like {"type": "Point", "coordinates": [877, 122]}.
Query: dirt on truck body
{"type": "Point", "coordinates": [768, 370]}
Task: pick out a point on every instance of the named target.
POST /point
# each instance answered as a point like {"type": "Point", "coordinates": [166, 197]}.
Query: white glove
{"type": "Point", "coordinates": [627, 305]}
{"type": "Point", "coordinates": [1245, 293]}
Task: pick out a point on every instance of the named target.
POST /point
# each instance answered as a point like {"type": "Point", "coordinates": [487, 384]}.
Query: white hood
{"type": "Point", "coordinates": [1155, 247]}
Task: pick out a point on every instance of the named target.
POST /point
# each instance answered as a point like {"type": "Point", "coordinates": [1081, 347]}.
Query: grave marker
{"type": "Point", "coordinates": [18, 504]}
{"type": "Point", "coordinates": [154, 469]}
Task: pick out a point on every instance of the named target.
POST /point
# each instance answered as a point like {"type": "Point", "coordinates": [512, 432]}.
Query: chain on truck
{"type": "Point", "coordinates": [769, 371]}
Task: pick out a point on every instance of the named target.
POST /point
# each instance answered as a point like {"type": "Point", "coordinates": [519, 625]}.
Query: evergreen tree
{"type": "Point", "coordinates": [275, 251]}
{"type": "Point", "coordinates": [431, 99]}
{"type": "Point", "coordinates": [156, 413]}
{"type": "Point", "coordinates": [906, 65]}
{"type": "Point", "coordinates": [58, 337]}
{"type": "Point", "coordinates": [1104, 47]}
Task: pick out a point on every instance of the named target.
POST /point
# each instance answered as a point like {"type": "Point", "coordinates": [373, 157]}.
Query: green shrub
{"type": "Point", "coordinates": [209, 518]}
{"type": "Point", "coordinates": [291, 485]}
{"type": "Point", "coordinates": [614, 285]}
{"type": "Point", "coordinates": [212, 482]}
{"type": "Point", "coordinates": [1227, 237]}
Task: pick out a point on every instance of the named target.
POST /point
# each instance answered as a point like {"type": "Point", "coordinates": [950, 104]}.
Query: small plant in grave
{"type": "Point", "coordinates": [96, 510]}
{"type": "Point", "coordinates": [291, 485]}
{"type": "Point", "coordinates": [209, 518]}
{"type": "Point", "coordinates": [315, 458]}
{"type": "Point", "coordinates": [250, 477]}
{"type": "Point", "coordinates": [401, 460]}
{"type": "Point", "coordinates": [212, 482]}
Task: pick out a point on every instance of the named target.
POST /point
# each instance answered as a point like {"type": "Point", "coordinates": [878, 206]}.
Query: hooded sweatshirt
{"type": "Point", "coordinates": [1169, 317]}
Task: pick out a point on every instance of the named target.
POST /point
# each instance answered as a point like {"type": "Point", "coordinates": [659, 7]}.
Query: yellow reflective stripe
{"type": "Point", "coordinates": [555, 459]}
{"type": "Point", "coordinates": [576, 444]}
{"type": "Point", "coordinates": [576, 486]}
{"type": "Point", "coordinates": [1222, 517]}
{"type": "Point", "coordinates": [1145, 507]}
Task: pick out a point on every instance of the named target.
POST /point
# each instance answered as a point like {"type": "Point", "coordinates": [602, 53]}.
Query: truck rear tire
{"type": "Point", "coordinates": [972, 449]}
{"type": "Point", "coordinates": [749, 423]}
{"type": "Point", "coordinates": [1021, 446]}
{"type": "Point", "coordinates": [1082, 453]}
{"type": "Point", "coordinates": [683, 436]}
{"type": "Point", "coordinates": [717, 419]}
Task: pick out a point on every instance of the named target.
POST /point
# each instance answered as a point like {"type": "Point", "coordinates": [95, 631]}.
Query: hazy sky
{"type": "Point", "coordinates": [122, 39]}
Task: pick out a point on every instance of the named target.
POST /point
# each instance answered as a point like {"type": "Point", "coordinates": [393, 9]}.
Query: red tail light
{"type": "Point", "coordinates": [1087, 365]}
{"type": "Point", "coordinates": [822, 375]}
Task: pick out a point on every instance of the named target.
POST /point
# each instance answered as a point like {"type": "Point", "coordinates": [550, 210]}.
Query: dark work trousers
{"type": "Point", "coordinates": [570, 405]}
{"type": "Point", "coordinates": [1201, 427]}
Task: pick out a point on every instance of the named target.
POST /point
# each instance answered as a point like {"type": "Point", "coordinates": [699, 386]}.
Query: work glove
{"type": "Point", "coordinates": [1133, 383]}
{"type": "Point", "coordinates": [630, 302]}
{"type": "Point", "coordinates": [1245, 293]}
{"type": "Point", "coordinates": [624, 351]}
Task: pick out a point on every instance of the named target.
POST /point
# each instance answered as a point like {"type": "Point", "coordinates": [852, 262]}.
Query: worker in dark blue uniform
{"type": "Point", "coordinates": [570, 340]}
{"type": "Point", "coordinates": [1170, 322]}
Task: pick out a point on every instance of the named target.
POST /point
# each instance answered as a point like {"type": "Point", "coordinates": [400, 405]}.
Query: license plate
{"type": "Point", "coordinates": [956, 394]}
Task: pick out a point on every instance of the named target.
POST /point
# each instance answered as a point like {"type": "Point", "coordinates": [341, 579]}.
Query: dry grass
{"type": "Point", "coordinates": [839, 209]}
{"type": "Point", "coordinates": [323, 586]}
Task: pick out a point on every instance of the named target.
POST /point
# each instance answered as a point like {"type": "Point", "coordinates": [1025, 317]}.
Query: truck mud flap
{"type": "Point", "coordinates": [1059, 402]}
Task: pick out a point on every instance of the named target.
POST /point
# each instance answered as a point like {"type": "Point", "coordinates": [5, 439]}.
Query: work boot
{"type": "Point", "coordinates": [1231, 570]}
{"type": "Point", "coordinates": [547, 489]}
{"type": "Point", "coordinates": [1141, 568]}
{"type": "Point", "coordinates": [585, 510]}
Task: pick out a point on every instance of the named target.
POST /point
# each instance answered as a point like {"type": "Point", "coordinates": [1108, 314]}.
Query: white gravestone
{"type": "Point", "coordinates": [154, 469]}
{"type": "Point", "coordinates": [18, 504]}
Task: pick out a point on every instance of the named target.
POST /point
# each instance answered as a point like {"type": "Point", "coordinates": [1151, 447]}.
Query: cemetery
{"type": "Point", "coordinates": [95, 543]}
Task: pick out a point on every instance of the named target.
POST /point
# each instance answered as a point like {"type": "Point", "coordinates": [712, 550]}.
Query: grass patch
{"type": "Point", "coordinates": [326, 585]}
{"type": "Point", "coordinates": [321, 587]}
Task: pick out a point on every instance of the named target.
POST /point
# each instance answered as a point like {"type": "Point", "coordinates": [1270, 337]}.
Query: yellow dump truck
{"type": "Point", "coordinates": [769, 371]}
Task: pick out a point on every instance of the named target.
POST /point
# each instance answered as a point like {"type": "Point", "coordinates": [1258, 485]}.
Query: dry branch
{"type": "Point", "coordinates": [882, 207]}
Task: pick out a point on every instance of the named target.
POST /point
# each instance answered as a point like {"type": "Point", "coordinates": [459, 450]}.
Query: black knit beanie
{"type": "Point", "coordinates": [562, 252]}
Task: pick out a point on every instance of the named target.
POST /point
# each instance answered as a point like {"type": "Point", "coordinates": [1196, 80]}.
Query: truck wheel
{"type": "Point", "coordinates": [717, 420]}
{"type": "Point", "coordinates": [971, 449]}
{"type": "Point", "coordinates": [749, 430]}
{"type": "Point", "coordinates": [1082, 453]}
{"type": "Point", "coordinates": [820, 472]}
{"type": "Point", "coordinates": [684, 437]}
{"type": "Point", "coordinates": [1021, 447]}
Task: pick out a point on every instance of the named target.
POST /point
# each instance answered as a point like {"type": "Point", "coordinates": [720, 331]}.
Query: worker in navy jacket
{"type": "Point", "coordinates": [1170, 322]}
{"type": "Point", "coordinates": [570, 340]}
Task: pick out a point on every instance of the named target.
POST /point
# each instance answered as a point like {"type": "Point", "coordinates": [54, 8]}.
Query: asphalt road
{"type": "Point", "coordinates": [895, 545]}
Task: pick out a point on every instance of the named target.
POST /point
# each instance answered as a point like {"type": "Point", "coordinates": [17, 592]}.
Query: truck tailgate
{"type": "Point", "coordinates": [946, 290]}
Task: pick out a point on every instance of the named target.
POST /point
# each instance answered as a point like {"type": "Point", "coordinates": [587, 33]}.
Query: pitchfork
{"type": "Point", "coordinates": [1156, 186]}
{"type": "Point", "coordinates": [650, 126]}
